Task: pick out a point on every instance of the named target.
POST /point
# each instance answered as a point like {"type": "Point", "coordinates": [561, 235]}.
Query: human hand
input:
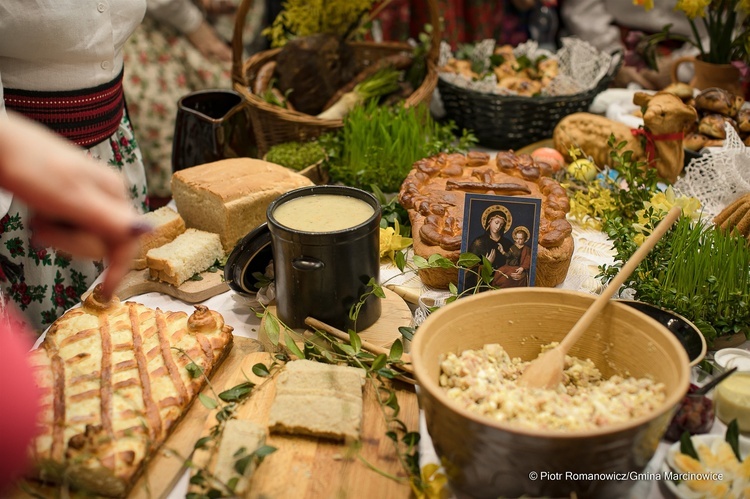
{"type": "Point", "coordinates": [518, 274]}
{"type": "Point", "coordinates": [209, 44]}
{"type": "Point", "coordinates": [491, 255]}
{"type": "Point", "coordinates": [79, 206]}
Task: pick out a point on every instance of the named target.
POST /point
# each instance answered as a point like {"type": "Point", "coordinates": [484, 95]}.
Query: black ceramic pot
{"type": "Point", "coordinates": [322, 274]}
{"type": "Point", "coordinates": [211, 125]}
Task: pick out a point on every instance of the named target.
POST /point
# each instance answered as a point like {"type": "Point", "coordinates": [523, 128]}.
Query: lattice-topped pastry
{"type": "Point", "coordinates": [434, 194]}
{"type": "Point", "coordinates": [115, 380]}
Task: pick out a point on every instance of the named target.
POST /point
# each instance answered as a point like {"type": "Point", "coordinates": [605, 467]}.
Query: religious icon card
{"type": "Point", "coordinates": [502, 233]}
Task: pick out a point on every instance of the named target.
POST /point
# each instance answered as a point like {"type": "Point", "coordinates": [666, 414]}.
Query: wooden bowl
{"type": "Point", "coordinates": [484, 457]}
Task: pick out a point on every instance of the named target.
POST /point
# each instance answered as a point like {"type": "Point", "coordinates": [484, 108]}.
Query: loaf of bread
{"type": "Point", "coordinates": [188, 254]}
{"type": "Point", "coordinates": [319, 400]}
{"type": "Point", "coordinates": [230, 197]}
{"type": "Point", "coordinates": [166, 223]}
{"type": "Point", "coordinates": [115, 379]}
{"type": "Point", "coordinates": [434, 193]}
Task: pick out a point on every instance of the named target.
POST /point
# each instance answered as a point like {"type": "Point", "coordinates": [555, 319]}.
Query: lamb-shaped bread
{"type": "Point", "coordinates": [115, 379]}
{"type": "Point", "coordinates": [434, 194]}
{"type": "Point", "coordinates": [660, 143]}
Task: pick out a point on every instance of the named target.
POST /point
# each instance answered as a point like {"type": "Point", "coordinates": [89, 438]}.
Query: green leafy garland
{"type": "Point", "coordinates": [206, 484]}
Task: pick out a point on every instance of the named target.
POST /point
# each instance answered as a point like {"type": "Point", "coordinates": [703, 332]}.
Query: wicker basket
{"type": "Point", "coordinates": [275, 125]}
{"type": "Point", "coordinates": [511, 122]}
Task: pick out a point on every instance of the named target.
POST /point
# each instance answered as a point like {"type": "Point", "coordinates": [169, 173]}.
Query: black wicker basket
{"type": "Point", "coordinates": [511, 122]}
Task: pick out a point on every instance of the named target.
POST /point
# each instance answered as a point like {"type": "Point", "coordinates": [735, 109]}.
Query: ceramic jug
{"type": "Point", "coordinates": [709, 75]}
{"type": "Point", "coordinates": [211, 125]}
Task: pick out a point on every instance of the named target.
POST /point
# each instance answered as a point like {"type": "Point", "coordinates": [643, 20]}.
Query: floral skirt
{"type": "Point", "coordinates": [161, 67]}
{"type": "Point", "coordinates": [42, 281]}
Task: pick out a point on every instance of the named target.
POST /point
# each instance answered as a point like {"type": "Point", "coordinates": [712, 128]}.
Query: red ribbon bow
{"type": "Point", "coordinates": [651, 140]}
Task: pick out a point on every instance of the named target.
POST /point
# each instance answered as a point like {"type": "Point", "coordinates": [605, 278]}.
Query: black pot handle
{"type": "Point", "coordinates": [307, 264]}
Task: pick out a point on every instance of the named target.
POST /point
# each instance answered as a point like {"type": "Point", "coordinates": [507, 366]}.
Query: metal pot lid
{"type": "Point", "coordinates": [252, 254]}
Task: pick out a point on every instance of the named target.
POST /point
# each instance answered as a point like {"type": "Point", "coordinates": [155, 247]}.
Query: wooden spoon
{"type": "Point", "coordinates": [546, 371]}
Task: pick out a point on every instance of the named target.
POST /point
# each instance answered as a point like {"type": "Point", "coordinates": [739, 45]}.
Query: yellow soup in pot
{"type": "Point", "coordinates": [323, 213]}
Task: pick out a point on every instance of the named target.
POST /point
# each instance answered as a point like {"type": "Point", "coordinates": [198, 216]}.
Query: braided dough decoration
{"type": "Point", "coordinates": [434, 193]}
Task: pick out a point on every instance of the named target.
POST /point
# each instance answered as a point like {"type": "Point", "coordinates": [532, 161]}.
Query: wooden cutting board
{"type": "Point", "coordinates": [308, 467]}
{"type": "Point", "coordinates": [137, 282]}
{"type": "Point", "coordinates": [395, 313]}
{"type": "Point", "coordinates": [167, 465]}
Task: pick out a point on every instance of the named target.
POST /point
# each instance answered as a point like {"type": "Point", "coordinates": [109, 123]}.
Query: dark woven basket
{"type": "Point", "coordinates": [511, 122]}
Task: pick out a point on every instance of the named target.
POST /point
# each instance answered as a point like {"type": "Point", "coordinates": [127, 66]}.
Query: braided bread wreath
{"type": "Point", "coordinates": [434, 193]}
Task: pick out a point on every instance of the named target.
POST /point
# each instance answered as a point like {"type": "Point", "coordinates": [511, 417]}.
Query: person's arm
{"type": "Point", "coordinates": [188, 19]}
{"type": "Point", "coordinates": [79, 206]}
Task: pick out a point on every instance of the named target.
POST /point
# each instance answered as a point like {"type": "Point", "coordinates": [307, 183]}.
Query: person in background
{"type": "Point", "coordinates": [607, 24]}
{"type": "Point", "coordinates": [180, 47]}
{"type": "Point", "coordinates": [466, 21]}
{"type": "Point", "coordinates": [62, 65]}
{"type": "Point", "coordinates": [79, 207]}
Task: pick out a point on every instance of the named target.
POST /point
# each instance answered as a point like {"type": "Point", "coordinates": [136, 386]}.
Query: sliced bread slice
{"type": "Point", "coordinates": [331, 417]}
{"type": "Point", "coordinates": [318, 399]}
{"type": "Point", "coordinates": [188, 254]}
{"type": "Point", "coordinates": [167, 224]}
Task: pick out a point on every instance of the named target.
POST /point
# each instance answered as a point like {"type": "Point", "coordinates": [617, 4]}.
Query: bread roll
{"type": "Point", "coordinates": [743, 120]}
{"type": "Point", "coordinates": [230, 197]}
{"type": "Point", "coordinates": [718, 100]}
{"type": "Point", "coordinates": [695, 141]}
{"type": "Point", "coordinates": [681, 90]}
{"type": "Point", "coordinates": [712, 125]}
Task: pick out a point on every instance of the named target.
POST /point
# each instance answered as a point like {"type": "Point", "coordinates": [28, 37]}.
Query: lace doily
{"type": "Point", "coordinates": [719, 176]}
{"type": "Point", "coordinates": [581, 65]}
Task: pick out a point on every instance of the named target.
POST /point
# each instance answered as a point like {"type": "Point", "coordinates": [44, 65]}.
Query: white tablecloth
{"type": "Point", "coordinates": [591, 250]}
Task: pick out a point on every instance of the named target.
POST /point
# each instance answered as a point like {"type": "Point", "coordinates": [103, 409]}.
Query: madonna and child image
{"type": "Point", "coordinates": [502, 231]}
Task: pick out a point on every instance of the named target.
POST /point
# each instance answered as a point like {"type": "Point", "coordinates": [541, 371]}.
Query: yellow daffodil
{"type": "Point", "coordinates": [646, 4]}
{"type": "Point", "coordinates": [433, 483]}
{"type": "Point", "coordinates": [693, 8]}
{"type": "Point", "coordinates": [662, 202]}
{"type": "Point", "coordinates": [391, 241]}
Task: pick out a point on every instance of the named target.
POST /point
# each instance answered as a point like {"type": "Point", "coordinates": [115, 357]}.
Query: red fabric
{"type": "Point", "coordinates": [19, 401]}
{"type": "Point", "coordinates": [465, 21]}
{"type": "Point", "coordinates": [651, 140]}
{"type": "Point", "coordinates": [85, 117]}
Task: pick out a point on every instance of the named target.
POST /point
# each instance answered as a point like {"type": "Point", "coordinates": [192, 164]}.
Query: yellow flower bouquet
{"type": "Point", "coordinates": [726, 23]}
